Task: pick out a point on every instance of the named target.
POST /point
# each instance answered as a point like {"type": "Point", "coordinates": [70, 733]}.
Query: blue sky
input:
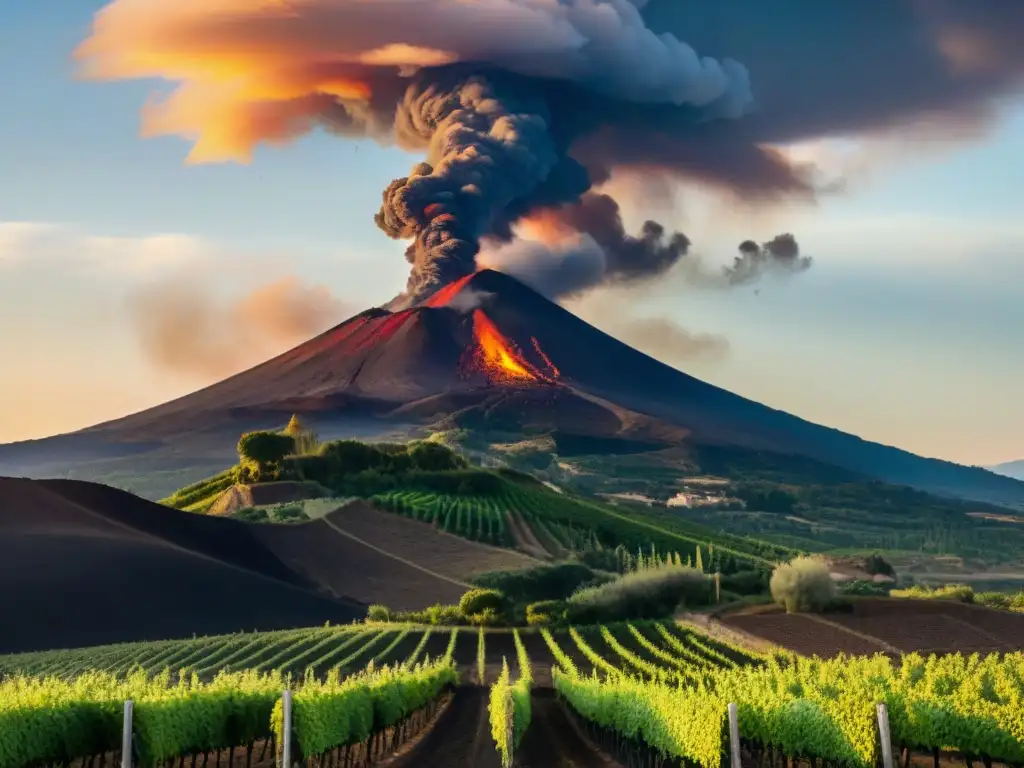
{"type": "Point", "coordinates": [907, 330]}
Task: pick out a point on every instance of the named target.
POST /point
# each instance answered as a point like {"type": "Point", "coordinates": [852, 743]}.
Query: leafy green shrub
{"type": "Point", "coordinates": [648, 594]}
{"type": "Point", "coordinates": [444, 615]}
{"type": "Point", "coordinates": [289, 513]}
{"type": "Point", "coordinates": [745, 582]}
{"type": "Point", "coordinates": [543, 582]}
{"type": "Point", "coordinates": [314, 467]}
{"type": "Point", "coordinates": [434, 457]}
{"type": "Point", "coordinates": [997, 600]}
{"type": "Point", "coordinates": [265, 448]}
{"type": "Point", "coordinates": [378, 613]}
{"type": "Point", "coordinates": [479, 600]}
{"type": "Point", "coordinates": [863, 588]}
{"type": "Point", "coordinates": [961, 593]}
{"type": "Point", "coordinates": [601, 559]}
{"type": "Point", "coordinates": [435, 615]}
{"type": "Point", "coordinates": [488, 617]}
{"type": "Point", "coordinates": [803, 584]}
{"type": "Point", "coordinates": [545, 612]}
{"type": "Point", "coordinates": [252, 515]}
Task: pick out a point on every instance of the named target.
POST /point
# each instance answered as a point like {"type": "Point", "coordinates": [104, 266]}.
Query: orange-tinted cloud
{"type": "Point", "coordinates": [249, 71]}
{"type": "Point", "coordinates": [184, 329]}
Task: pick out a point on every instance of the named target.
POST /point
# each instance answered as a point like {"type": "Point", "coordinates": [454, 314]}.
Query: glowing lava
{"type": "Point", "coordinates": [500, 360]}
{"type": "Point", "coordinates": [446, 294]}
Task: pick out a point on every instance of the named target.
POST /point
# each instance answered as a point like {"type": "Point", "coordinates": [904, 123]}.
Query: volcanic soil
{"type": "Point", "coordinates": [85, 564]}
{"type": "Point", "coordinates": [892, 626]}
{"type": "Point", "coordinates": [439, 552]}
{"type": "Point", "coordinates": [462, 737]}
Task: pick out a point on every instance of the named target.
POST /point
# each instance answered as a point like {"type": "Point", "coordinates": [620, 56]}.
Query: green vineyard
{"type": "Point", "coordinates": [637, 689]}
{"type": "Point", "coordinates": [479, 518]}
{"type": "Point", "coordinates": [799, 708]}
{"type": "Point", "coordinates": [563, 524]}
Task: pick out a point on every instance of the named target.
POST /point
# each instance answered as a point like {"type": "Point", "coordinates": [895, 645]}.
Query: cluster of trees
{"type": "Point", "coordinates": [296, 454]}
{"type": "Point", "coordinates": [477, 607]}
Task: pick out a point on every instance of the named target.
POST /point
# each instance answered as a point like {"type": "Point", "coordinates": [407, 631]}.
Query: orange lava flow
{"type": "Point", "coordinates": [446, 294]}
{"type": "Point", "coordinates": [499, 358]}
{"type": "Point", "coordinates": [547, 361]}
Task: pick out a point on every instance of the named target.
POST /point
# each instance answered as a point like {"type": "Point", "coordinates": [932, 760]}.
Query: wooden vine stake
{"type": "Point", "coordinates": [286, 729]}
{"type": "Point", "coordinates": [885, 736]}
{"type": "Point", "coordinates": [126, 736]}
{"type": "Point", "coordinates": [734, 737]}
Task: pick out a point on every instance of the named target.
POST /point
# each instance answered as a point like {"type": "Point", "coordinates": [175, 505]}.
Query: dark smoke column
{"type": "Point", "coordinates": [488, 145]}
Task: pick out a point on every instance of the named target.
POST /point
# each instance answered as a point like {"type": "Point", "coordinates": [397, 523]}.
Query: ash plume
{"type": "Point", "coordinates": [523, 106]}
{"type": "Point", "coordinates": [187, 331]}
{"type": "Point", "coordinates": [584, 244]}
{"type": "Point", "coordinates": [780, 255]}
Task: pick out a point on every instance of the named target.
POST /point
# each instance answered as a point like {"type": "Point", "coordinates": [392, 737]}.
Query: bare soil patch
{"type": "Point", "coordinates": [240, 495]}
{"type": "Point", "coordinates": [875, 624]}
{"type": "Point", "coordinates": [346, 567]}
{"type": "Point", "coordinates": [423, 544]}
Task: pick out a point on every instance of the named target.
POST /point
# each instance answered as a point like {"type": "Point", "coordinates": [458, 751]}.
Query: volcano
{"type": "Point", "coordinates": [488, 352]}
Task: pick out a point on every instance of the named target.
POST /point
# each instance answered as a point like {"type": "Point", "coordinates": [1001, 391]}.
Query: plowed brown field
{"type": "Point", "coordinates": [442, 553]}
{"type": "Point", "coordinates": [876, 625]}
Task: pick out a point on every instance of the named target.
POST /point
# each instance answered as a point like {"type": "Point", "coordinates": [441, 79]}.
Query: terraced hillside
{"type": "Point", "coordinates": [538, 520]}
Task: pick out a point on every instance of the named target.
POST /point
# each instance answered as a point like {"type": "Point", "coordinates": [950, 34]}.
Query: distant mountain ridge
{"type": "Point", "coordinates": [1014, 469]}
{"type": "Point", "coordinates": [489, 352]}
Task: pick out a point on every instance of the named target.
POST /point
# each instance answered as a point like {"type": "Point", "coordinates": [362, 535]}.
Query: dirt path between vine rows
{"type": "Point", "coordinates": [462, 738]}
{"type": "Point", "coordinates": [554, 741]}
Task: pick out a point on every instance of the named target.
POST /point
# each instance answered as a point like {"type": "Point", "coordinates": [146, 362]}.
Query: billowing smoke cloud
{"type": "Point", "coordinates": [570, 250]}
{"type": "Point", "coordinates": [780, 255]}
{"type": "Point", "coordinates": [666, 340]}
{"type": "Point", "coordinates": [185, 330]}
{"type": "Point", "coordinates": [581, 245]}
{"type": "Point", "coordinates": [523, 105]}
{"type": "Point", "coordinates": [495, 91]}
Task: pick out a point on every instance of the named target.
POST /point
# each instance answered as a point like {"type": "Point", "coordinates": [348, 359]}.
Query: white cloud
{"type": "Point", "coordinates": [34, 245]}
{"type": "Point", "coordinates": [18, 239]}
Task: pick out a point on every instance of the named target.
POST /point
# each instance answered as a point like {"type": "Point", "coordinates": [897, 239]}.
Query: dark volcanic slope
{"type": "Point", "coordinates": [602, 365]}
{"type": "Point", "coordinates": [409, 366]}
{"type": "Point", "coordinates": [322, 552]}
{"type": "Point", "coordinates": [83, 565]}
